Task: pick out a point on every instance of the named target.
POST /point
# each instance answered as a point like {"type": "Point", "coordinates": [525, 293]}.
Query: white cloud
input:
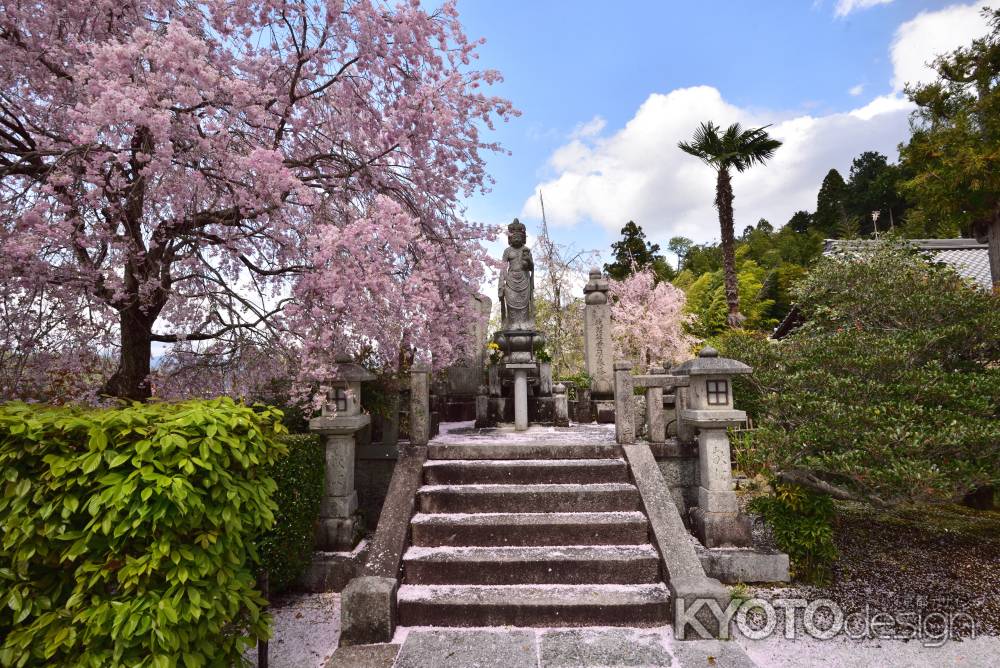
{"type": "Point", "coordinates": [591, 128]}
{"type": "Point", "coordinates": [930, 34]}
{"type": "Point", "coordinates": [857, 90]}
{"type": "Point", "coordinates": [638, 173]}
{"type": "Point", "coordinates": [845, 7]}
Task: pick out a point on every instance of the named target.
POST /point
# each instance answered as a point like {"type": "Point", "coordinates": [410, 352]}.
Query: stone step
{"type": "Point", "coordinates": [619, 528]}
{"type": "Point", "coordinates": [524, 471]}
{"type": "Point", "coordinates": [502, 450]}
{"type": "Point", "coordinates": [603, 497]}
{"type": "Point", "coordinates": [568, 564]}
{"type": "Point", "coordinates": [534, 605]}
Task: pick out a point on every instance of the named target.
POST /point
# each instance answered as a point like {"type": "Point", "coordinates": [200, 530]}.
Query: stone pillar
{"type": "Point", "coordinates": [482, 408]}
{"type": "Point", "coordinates": [520, 399]}
{"type": "Point", "coordinates": [686, 433]}
{"type": "Point", "coordinates": [624, 403]}
{"type": "Point", "coordinates": [561, 418]}
{"type": "Point", "coordinates": [584, 409]}
{"type": "Point", "coordinates": [598, 347]}
{"type": "Point", "coordinates": [545, 379]}
{"type": "Point", "coordinates": [420, 404]}
{"type": "Point", "coordinates": [709, 407]}
{"type": "Point", "coordinates": [656, 424]}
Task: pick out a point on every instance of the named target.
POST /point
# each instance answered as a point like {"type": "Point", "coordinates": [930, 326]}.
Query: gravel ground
{"type": "Point", "coordinates": [306, 631]}
{"type": "Point", "coordinates": [982, 652]}
{"type": "Point", "coordinates": [935, 570]}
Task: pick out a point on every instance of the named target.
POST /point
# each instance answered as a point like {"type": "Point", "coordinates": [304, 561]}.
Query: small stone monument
{"type": "Point", "coordinates": [598, 348]}
{"type": "Point", "coordinates": [340, 419]}
{"type": "Point", "coordinates": [709, 407]}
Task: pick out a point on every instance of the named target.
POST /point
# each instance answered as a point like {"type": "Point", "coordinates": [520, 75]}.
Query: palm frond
{"type": "Point", "coordinates": [735, 147]}
{"type": "Point", "coordinates": [706, 143]}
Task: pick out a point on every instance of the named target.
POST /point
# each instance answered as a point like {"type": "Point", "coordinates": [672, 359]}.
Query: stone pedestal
{"type": "Point", "coordinates": [520, 394]}
{"type": "Point", "coordinates": [339, 526]}
{"type": "Point", "coordinates": [598, 348]}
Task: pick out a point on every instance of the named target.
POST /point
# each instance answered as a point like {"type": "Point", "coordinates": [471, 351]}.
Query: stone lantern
{"type": "Point", "coordinates": [709, 407]}
{"type": "Point", "coordinates": [338, 423]}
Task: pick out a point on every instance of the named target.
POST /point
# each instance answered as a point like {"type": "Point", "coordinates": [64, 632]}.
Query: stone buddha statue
{"type": "Point", "coordinates": [517, 282]}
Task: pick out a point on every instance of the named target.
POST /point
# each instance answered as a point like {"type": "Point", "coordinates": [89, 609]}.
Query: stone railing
{"type": "Point", "coordinates": [654, 383]}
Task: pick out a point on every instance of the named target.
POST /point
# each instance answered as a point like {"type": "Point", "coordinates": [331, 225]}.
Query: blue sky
{"type": "Point", "coordinates": [607, 89]}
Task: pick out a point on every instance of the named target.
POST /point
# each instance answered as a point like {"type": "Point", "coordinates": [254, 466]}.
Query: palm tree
{"type": "Point", "coordinates": [737, 149]}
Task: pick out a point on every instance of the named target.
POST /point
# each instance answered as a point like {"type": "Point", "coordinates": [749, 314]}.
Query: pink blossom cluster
{"type": "Point", "coordinates": [186, 172]}
{"type": "Point", "coordinates": [648, 321]}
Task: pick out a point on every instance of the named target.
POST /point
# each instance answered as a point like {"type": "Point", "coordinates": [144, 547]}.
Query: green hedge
{"type": "Point", "coordinates": [287, 547]}
{"type": "Point", "coordinates": [128, 533]}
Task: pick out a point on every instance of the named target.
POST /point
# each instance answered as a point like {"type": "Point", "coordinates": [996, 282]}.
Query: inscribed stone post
{"type": "Point", "coordinates": [597, 335]}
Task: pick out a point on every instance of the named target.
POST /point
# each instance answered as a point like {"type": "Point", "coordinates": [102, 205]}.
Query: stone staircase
{"type": "Point", "coordinates": [530, 535]}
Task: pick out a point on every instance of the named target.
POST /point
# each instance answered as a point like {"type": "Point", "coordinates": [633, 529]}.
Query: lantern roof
{"type": "Point", "coordinates": [708, 363]}
{"type": "Point", "coordinates": [345, 369]}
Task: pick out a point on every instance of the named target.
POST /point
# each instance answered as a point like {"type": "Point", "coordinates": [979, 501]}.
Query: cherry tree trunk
{"type": "Point", "coordinates": [724, 203]}
{"type": "Point", "coordinates": [131, 379]}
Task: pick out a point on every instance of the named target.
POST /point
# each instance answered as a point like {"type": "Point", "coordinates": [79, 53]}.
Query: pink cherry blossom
{"type": "Point", "coordinates": [648, 321]}
{"type": "Point", "coordinates": [240, 172]}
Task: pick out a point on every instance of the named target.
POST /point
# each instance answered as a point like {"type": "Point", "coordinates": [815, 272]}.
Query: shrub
{"type": "Point", "coordinates": [890, 392]}
{"type": "Point", "coordinates": [803, 527]}
{"type": "Point", "coordinates": [287, 547]}
{"type": "Point", "coordinates": [128, 532]}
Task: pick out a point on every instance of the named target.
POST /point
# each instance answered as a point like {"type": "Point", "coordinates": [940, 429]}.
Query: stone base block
{"type": "Point", "coordinates": [541, 409]}
{"type": "Point", "coordinates": [717, 501]}
{"type": "Point", "coordinates": [339, 534]}
{"type": "Point", "coordinates": [368, 611]}
{"type": "Point", "coordinates": [604, 411]}
{"type": "Point", "coordinates": [331, 571]}
{"type": "Point", "coordinates": [732, 565]}
{"type": "Point", "coordinates": [721, 529]}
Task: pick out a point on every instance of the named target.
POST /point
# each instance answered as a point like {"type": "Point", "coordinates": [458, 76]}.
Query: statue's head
{"type": "Point", "coordinates": [517, 234]}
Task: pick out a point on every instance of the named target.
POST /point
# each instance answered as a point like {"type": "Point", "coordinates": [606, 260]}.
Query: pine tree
{"type": "Point", "coordinates": [633, 254]}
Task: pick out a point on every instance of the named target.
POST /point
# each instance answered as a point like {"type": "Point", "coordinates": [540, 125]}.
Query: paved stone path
{"type": "Point", "coordinates": [541, 648]}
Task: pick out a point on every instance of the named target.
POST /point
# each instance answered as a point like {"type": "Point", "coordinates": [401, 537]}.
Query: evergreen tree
{"type": "Point", "coordinates": [830, 212]}
{"type": "Point", "coordinates": [871, 186]}
{"type": "Point", "coordinates": [634, 253]}
{"type": "Point", "coordinates": [801, 222]}
{"type": "Point", "coordinates": [679, 246]}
